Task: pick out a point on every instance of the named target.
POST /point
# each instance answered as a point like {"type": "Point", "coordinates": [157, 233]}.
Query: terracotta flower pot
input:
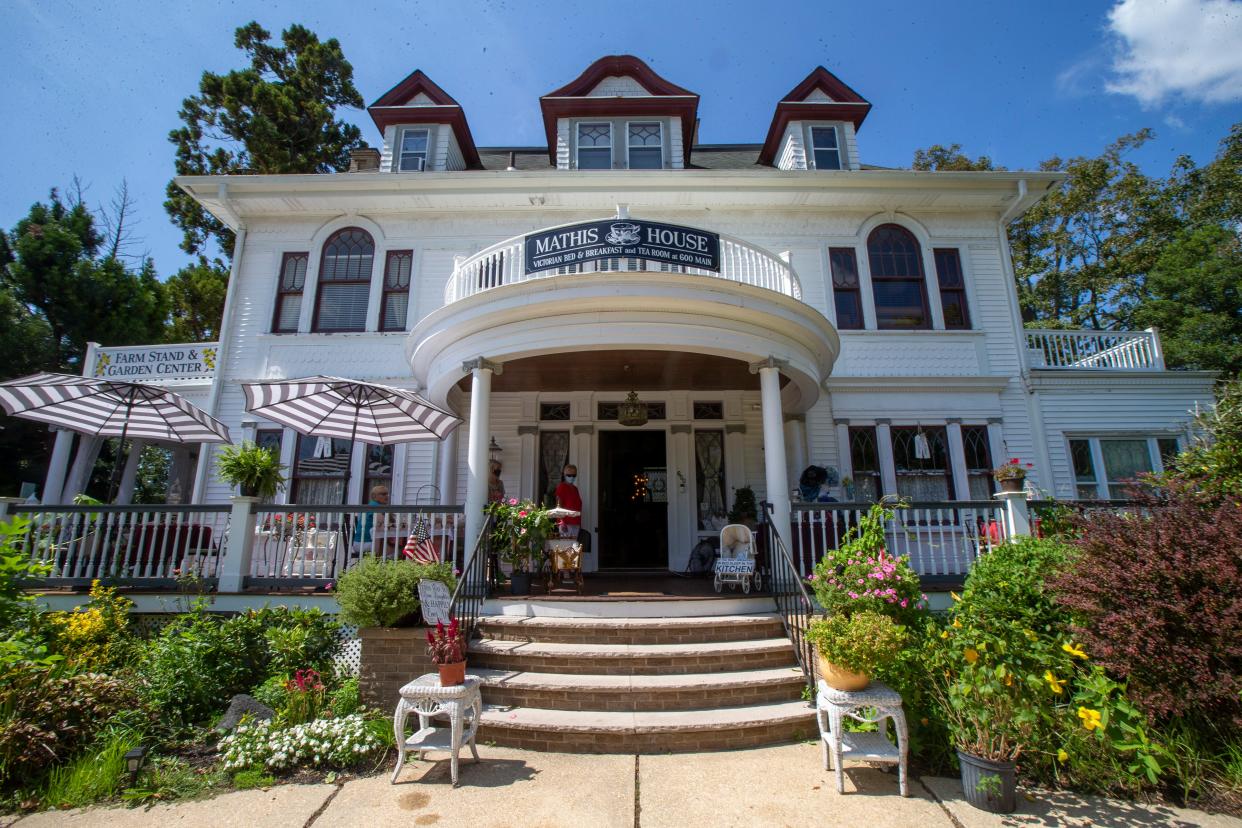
{"type": "Point", "coordinates": [1012, 484]}
{"type": "Point", "coordinates": [451, 675]}
{"type": "Point", "coordinates": [838, 678]}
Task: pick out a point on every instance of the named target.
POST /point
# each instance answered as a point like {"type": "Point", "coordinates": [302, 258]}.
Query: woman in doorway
{"type": "Point", "coordinates": [495, 486]}
{"type": "Point", "coordinates": [568, 497]}
{"type": "Point", "coordinates": [363, 542]}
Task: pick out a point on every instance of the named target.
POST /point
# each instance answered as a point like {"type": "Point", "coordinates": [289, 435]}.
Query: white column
{"type": "Point", "coordinates": [957, 459]}
{"type": "Point", "coordinates": [996, 442]}
{"type": "Point", "coordinates": [580, 455]}
{"type": "Point", "coordinates": [235, 567]}
{"type": "Point", "coordinates": [58, 466]}
{"type": "Point", "coordinates": [129, 476]}
{"type": "Point", "coordinates": [844, 457]}
{"type": "Point", "coordinates": [884, 446]}
{"type": "Point", "coordinates": [1017, 514]}
{"type": "Point", "coordinates": [776, 472]}
{"type": "Point", "coordinates": [795, 442]}
{"type": "Point", "coordinates": [481, 372]}
{"type": "Point", "coordinates": [447, 473]}
{"type": "Point", "coordinates": [83, 464]}
{"type": "Point", "coordinates": [528, 464]}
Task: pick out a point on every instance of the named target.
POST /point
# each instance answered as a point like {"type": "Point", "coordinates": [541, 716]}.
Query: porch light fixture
{"type": "Point", "coordinates": [494, 451]}
{"type": "Point", "coordinates": [632, 412]}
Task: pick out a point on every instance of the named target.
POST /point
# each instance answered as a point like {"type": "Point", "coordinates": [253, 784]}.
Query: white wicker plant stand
{"type": "Point", "coordinates": [462, 705]}
{"type": "Point", "coordinates": [876, 704]}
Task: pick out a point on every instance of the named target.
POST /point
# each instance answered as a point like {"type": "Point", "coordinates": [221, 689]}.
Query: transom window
{"type": "Point", "coordinates": [396, 299]}
{"type": "Point", "coordinates": [595, 146]}
{"type": "Point", "coordinates": [345, 281]}
{"type": "Point", "coordinates": [557, 412]}
{"type": "Point", "coordinates": [413, 155]}
{"type": "Point", "coordinates": [612, 410]}
{"type": "Point", "coordinates": [289, 292]}
{"type": "Point", "coordinates": [825, 152]}
{"type": "Point", "coordinates": [846, 293]}
{"type": "Point", "coordinates": [952, 288]}
{"type": "Point", "coordinates": [897, 279]}
{"type": "Point", "coordinates": [708, 410]}
{"type": "Point", "coordinates": [646, 146]}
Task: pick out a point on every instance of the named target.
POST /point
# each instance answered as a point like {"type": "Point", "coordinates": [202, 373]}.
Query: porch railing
{"type": "Point", "coordinates": [793, 602]}
{"type": "Point", "coordinates": [476, 579]}
{"type": "Point", "coordinates": [1112, 350]}
{"type": "Point", "coordinates": [940, 538]}
{"type": "Point", "coordinates": [504, 264]}
{"type": "Point", "coordinates": [125, 544]}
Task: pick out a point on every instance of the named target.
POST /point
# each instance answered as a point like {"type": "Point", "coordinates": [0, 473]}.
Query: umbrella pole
{"type": "Point", "coordinates": [120, 458]}
{"type": "Point", "coordinates": [349, 465]}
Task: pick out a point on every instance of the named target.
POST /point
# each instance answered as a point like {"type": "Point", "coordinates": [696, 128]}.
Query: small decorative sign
{"type": "Point", "coordinates": [628, 238]}
{"type": "Point", "coordinates": [158, 363]}
{"type": "Point", "coordinates": [435, 599]}
{"type": "Point", "coordinates": [735, 566]}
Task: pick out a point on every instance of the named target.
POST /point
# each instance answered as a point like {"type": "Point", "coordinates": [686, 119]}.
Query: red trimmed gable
{"type": "Point", "coordinates": [845, 105]}
{"type": "Point", "coordinates": [393, 107]}
{"type": "Point", "coordinates": [666, 98]}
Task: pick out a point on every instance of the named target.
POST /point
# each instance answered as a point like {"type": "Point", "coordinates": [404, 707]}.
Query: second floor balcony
{"type": "Point", "coordinates": [1095, 350]}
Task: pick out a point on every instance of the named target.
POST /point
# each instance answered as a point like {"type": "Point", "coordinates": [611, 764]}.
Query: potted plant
{"type": "Point", "coordinates": [256, 471]}
{"type": "Point", "coordinates": [519, 529]}
{"type": "Point", "coordinates": [1012, 475]}
{"type": "Point", "coordinates": [852, 647]}
{"type": "Point", "coordinates": [745, 510]}
{"type": "Point", "coordinates": [447, 648]}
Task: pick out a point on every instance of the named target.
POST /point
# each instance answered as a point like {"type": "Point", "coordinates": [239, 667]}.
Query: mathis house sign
{"type": "Point", "coordinates": [628, 238]}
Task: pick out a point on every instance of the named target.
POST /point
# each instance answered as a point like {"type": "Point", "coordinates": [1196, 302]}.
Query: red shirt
{"type": "Point", "coordinates": [567, 497]}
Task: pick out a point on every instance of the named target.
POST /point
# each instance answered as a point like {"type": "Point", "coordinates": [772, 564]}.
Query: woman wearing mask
{"type": "Point", "coordinates": [567, 497]}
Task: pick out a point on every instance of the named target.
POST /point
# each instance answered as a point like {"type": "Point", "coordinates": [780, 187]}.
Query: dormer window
{"type": "Point", "coordinates": [646, 146]}
{"type": "Point", "coordinates": [413, 155]}
{"type": "Point", "coordinates": [825, 148]}
{"type": "Point", "coordinates": [595, 146]}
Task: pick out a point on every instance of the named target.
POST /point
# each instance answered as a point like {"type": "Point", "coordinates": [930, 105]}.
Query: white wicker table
{"type": "Point", "coordinates": [461, 704]}
{"type": "Point", "coordinates": [877, 704]}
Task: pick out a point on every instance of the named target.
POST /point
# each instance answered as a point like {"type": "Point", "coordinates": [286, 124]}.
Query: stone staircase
{"type": "Point", "coordinates": [639, 685]}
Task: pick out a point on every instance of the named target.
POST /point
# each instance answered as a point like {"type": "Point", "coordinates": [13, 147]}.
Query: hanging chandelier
{"type": "Point", "coordinates": [632, 412]}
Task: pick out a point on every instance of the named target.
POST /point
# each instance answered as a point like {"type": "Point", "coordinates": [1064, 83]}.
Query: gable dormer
{"type": "Point", "coordinates": [619, 114]}
{"type": "Point", "coordinates": [814, 126]}
{"type": "Point", "coordinates": [424, 129]}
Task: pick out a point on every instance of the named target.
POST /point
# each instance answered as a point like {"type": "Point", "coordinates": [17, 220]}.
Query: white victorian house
{"type": "Point", "coordinates": [771, 305]}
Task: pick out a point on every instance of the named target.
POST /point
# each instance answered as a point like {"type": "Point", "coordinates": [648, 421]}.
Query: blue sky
{"type": "Point", "coordinates": [92, 89]}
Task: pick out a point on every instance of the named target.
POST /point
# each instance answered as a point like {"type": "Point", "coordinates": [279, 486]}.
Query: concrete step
{"type": "Point", "coordinates": [584, 692]}
{"type": "Point", "coordinates": [677, 630]}
{"type": "Point", "coordinates": [631, 659]}
{"type": "Point", "coordinates": [650, 731]}
{"type": "Point", "coordinates": [598, 607]}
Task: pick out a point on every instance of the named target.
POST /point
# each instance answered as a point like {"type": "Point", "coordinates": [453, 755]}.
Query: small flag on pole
{"type": "Point", "coordinates": [419, 547]}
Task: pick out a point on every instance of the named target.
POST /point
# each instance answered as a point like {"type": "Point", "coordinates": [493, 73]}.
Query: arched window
{"type": "Point", "coordinates": [897, 279]}
{"type": "Point", "coordinates": [344, 281]}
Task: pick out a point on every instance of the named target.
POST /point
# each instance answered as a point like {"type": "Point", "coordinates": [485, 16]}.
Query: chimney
{"type": "Point", "coordinates": [366, 159]}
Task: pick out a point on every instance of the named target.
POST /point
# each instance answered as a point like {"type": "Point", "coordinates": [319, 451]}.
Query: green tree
{"type": "Point", "coordinates": [196, 295]}
{"type": "Point", "coordinates": [940, 157]}
{"type": "Point", "coordinates": [278, 115]}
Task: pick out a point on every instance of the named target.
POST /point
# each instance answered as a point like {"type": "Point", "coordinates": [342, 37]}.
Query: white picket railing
{"type": "Point", "coordinates": [505, 264]}
{"type": "Point", "coordinates": [1112, 350]}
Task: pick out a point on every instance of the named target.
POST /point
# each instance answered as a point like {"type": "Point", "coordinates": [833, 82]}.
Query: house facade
{"type": "Point", "coordinates": [763, 307]}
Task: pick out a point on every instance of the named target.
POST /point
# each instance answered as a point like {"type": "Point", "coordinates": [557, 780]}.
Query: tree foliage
{"type": "Point", "coordinates": [950, 158]}
{"type": "Point", "coordinates": [277, 115]}
{"type": "Point", "coordinates": [196, 296]}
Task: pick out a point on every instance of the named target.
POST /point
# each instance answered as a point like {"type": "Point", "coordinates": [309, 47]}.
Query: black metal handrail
{"type": "Point", "coordinates": [472, 585]}
{"type": "Point", "coordinates": [793, 602]}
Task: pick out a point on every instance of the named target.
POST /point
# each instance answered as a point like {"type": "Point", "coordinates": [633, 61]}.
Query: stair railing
{"type": "Point", "coordinates": [793, 602]}
{"type": "Point", "coordinates": [474, 583]}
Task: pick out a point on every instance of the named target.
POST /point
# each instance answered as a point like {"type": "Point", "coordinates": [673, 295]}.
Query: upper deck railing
{"type": "Point", "coordinates": [504, 264]}
{"type": "Point", "coordinates": [1108, 350]}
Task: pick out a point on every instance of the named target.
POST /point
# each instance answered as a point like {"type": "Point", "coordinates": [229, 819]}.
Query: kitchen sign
{"type": "Point", "coordinates": [622, 238]}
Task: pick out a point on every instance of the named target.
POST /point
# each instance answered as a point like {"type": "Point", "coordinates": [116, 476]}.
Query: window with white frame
{"type": "Point", "coordinates": [978, 459]}
{"type": "Point", "coordinates": [1112, 467]}
{"type": "Point", "coordinates": [396, 297]}
{"type": "Point", "coordinates": [595, 146]}
{"type": "Point", "coordinates": [289, 292]}
{"type": "Point", "coordinates": [825, 149]}
{"type": "Point", "coordinates": [645, 144]}
{"type": "Point", "coordinates": [412, 155]}
{"type": "Point", "coordinates": [865, 463]}
{"type": "Point", "coordinates": [344, 281]}
{"type": "Point", "coordinates": [921, 458]}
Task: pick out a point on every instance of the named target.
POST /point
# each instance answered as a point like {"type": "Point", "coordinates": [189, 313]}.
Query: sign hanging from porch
{"type": "Point", "coordinates": [623, 238]}
{"type": "Point", "coordinates": [156, 363]}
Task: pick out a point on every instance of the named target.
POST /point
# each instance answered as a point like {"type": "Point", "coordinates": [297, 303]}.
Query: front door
{"type": "Point", "coordinates": [633, 500]}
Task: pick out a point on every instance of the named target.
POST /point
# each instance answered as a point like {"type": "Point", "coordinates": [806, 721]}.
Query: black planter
{"type": "Point", "coordinates": [997, 797]}
{"type": "Point", "coordinates": [519, 583]}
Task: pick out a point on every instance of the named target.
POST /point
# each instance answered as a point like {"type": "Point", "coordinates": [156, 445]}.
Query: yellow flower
{"type": "Point", "coordinates": [1090, 718]}
{"type": "Point", "coordinates": [1008, 679]}
{"type": "Point", "coordinates": [944, 634]}
{"type": "Point", "coordinates": [955, 596]}
{"type": "Point", "coordinates": [1031, 635]}
{"type": "Point", "coordinates": [1076, 652]}
{"type": "Point", "coordinates": [957, 624]}
{"type": "Point", "coordinates": [971, 655]}
{"type": "Point", "coordinates": [1057, 685]}
{"type": "Point", "coordinates": [1062, 756]}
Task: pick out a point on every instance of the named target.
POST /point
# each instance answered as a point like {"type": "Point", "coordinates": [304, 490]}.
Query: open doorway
{"type": "Point", "coordinates": [633, 500]}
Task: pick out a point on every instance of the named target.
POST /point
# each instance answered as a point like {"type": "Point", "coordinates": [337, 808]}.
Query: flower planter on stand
{"type": "Point", "coordinates": [452, 675]}
{"type": "Point", "coordinates": [838, 678]}
{"type": "Point", "coordinates": [1012, 484]}
{"type": "Point", "coordinates": [989, 786]}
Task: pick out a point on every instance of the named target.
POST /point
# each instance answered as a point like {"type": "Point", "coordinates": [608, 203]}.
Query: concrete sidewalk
{"type": "Point", "coordinates": [774, 786]}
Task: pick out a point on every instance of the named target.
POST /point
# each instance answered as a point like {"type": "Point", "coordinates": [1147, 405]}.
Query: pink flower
{"type": "Point", "coordinates": [522, 513]}
{"type": "Point", "coordinates": [861, 580]}
{"type": "Point", "coordinates": [853, 594]}
{"type": "Point", "coordinates": [903, 602]}
{"type": "Point", "coordinates": [513, 501]}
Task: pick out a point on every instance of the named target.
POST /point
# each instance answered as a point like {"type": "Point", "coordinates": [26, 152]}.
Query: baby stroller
{"type": "Point", "coordinates": [737, 564]}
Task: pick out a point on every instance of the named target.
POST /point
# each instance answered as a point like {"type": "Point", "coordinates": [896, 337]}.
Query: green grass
{"type": "Point", "coordinates": [169, 778]}
{"type": "Point", "coordinates": [244, 780]}
{"type": "Point", "coordinates": [97, 774]}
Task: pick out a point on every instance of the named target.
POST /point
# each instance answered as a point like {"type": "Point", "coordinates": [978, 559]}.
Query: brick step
{"type": "Point", "coordinates": [633, 630]}
{"type": "Point", "coordinates": [631, 659]}
{"type": "Point", "coordinates": [647, 732]}
{"type": "Point", "coordinates": [584, 692]}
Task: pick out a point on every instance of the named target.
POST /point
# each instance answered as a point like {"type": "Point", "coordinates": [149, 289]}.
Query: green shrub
{"type": "Point", "coordinates": [861, 642]}
{"type": "Point", "coordinates": [299, 639]}
{"type": "Point", "coordinates": [346, 699]}
{"type": "Point", "coordinates": [245, 780]}
{"type": "Point", "coordinates": [95, 775]}
{"type": "Point", "coordinates": [379, 593]}
{"type": "Point", "coordinates": [273, 692]}
{"type": "Point", "coordinates": [861, 575]}
{"type": "Point", "coordinates": [97, 637]}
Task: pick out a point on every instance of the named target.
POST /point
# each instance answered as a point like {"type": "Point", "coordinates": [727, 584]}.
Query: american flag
{"type": "Point", "coordinates": [419, 547]}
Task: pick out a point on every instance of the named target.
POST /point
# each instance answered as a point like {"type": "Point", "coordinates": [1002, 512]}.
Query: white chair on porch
{"type": "Point", "coordinates": [312, 554]}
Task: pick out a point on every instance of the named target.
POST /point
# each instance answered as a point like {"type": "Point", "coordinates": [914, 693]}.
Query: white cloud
{"type": "Point", "coordinates": [1191, 49]}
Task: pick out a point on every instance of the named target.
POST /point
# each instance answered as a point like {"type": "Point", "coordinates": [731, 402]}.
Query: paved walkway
{"type": "Point", "coordinates": [775, 786]}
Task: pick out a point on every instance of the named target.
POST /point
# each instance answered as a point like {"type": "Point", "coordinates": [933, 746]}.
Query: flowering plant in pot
{"type": "Point", "coordinates": [519, 529]}
{"type": "Point", "coordinates": [447, 648]}
{"type": "Point", "coordinates": [852, 647]}
{"type": "Point", "coordinates": [1012, 475]}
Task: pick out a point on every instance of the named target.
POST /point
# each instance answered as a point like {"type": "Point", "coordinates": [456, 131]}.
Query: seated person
{"type": "Point", "coordinates": [568, 497]}
{"type": "Point", "coordinates": [362, 529]}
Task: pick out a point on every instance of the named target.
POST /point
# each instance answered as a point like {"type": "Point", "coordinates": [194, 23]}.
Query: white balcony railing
{"type": "Point", "coordinates": [1109, 350]}
{"type": "Point", "coordinates": [504, 264]}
